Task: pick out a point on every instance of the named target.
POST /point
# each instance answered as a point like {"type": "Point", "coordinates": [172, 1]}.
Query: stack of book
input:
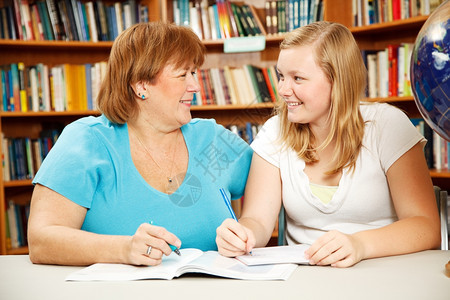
{"type": "Point", "coordinates": [286, 15]}
{"type": "Point", "coordinates": [366, 12]}
{"type": "Point", "coordinates": [68, 20]}
{"type": "Point", "coordinates": [22, 156]}
{"type": "Point", "coordinates": [67, 87]}
{"type": "Point", "coordinates": [16, 221]}
{"type": "Point", "coordinates": [220, 20]}
{"type": "Point", "coordinates": [437, 149]}
{"type": "Point", "coordinates": [389, 71]}
{"type": "Point", "coordinates": [219, 86]}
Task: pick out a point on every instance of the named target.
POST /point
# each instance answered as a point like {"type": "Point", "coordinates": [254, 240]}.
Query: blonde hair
{"type": "Point", "coordinates": [140, 53]}
{"type": "Point", "coordinates": [339, 57]}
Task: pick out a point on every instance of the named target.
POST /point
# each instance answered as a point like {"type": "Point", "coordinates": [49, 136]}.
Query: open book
{"type": "Point", "coordinates": [276, 255]}
{"type": "Point", "coordinates": [190, 261]}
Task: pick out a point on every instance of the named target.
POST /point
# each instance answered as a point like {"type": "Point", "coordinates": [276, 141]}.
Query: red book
{"type": "Point", "coordinates": [393, 70]}
{"type": "Point", "coordinates": [269, 84]}
{"type": "Point", "coordinates": [224, 20]}
{"type": "Point", "coordinates": [396, 10]}
{"type": "Point", "coordinates": [202, 86]}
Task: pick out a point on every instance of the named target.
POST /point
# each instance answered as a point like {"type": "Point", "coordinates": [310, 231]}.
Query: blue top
{"type": "Point", "coordinates": [91, 165]}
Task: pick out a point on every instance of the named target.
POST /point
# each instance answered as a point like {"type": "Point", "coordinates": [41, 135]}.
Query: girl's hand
{"type": "Point", "coordinates": [156, 237]}
{"type": "Point", "coordinates": [336, 249]}
{"type": "Point", "coordinates": [234, 239]}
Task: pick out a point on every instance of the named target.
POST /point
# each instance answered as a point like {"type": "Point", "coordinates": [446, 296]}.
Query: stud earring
{"type": "Point", "coordinates": [143, 97]}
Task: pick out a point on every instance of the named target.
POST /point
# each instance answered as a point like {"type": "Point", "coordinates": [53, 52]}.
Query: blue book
{"type": "Point", "coordinates": [21, 164]}
{"type": "Point", "coordinates": [85, 21]}
{"type": "Point", "coordinates": [112, 11]}
{"type": "Point", "coordinates": [249, 132]}
{"type": "Point", "coordinates": [4, 90]}
{"type": "Point", "coordinates": [45, 19]}
{"type": "Point", "coordinates": [216, 17]}
{"type": "Point", "coordinates": [19, 224]}
{"type": "Point", "coordinates": [81, 19]}
{"type": "Point", "coordinates": [109, 23]}
{"type": "Point", "coordinates": [11, 90]}
{"type": "Point", "coordinates": [12, 27]}
{"type": "Point", "coordinates": [184, 12]}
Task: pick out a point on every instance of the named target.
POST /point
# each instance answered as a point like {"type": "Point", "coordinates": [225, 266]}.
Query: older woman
{"type": "Point", "coordinates": [143, 178]}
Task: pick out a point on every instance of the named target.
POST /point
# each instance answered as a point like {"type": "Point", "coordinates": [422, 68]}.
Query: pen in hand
{"type": "Point", "coordinates": [174, 248]}
{"type": "Point", "coordinates": [228, 204]}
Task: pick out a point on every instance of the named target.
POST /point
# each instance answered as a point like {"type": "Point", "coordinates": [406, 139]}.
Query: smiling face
{"type": "Point", "coordinates": [304, 86]}
{"type": "Point", "coordinates": [171, 95]}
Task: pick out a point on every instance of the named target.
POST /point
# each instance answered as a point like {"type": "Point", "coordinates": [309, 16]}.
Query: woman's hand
{"type": "Point", "coordinates": [336, 249]}
{"type": "Point", "coordinates": [234, 239]}
{"type": "Point", "coordinates": [149, 243]}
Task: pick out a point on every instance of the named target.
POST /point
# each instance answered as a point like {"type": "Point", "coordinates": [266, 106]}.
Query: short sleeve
{"type": "Point", "coordinates": [267, 142]}
{"type": "Point", "coordinates": [76, 164]}
{"type": "Point", "coordinates": [395, 134]}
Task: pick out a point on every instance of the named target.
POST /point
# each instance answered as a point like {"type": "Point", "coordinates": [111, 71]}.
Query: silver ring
{"type": "Point", "coordinates": [149, 250]}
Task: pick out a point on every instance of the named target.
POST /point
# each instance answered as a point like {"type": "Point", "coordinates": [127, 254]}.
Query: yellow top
{"type": "Point", "coordinates": [323, 192]}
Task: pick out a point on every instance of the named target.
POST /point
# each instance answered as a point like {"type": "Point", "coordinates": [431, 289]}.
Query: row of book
{"type": "Point", "coordinates": [286, 15]}
{"type": "Point", "coordinates": [437, 149]}
{"type": "Point", "coordinates": [16, 217]}
{"type": "Point", "coordinates": [22, 156]}
{"type": "Point", "coordinates": [68, 20]}
{"type": "Point", "coordinates": [74, 87]}
{"type": "Point", "coordinates": [246, 85]}
{"type": "Point", "coordinates": [219, 20]}
{"type": "Point", "coordinates": [389, 71]}
{"type": "Point", "coordinates": [67, 87]}
{"type": "Point", "coordinates": [366, 12]}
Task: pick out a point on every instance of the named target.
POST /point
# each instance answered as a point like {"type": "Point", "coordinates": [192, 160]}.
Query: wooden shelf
{"type": "Point", "coordinates": [42, 114]}
{"type": "Point", "coordinates": [411, 23]}
{"type": "Point", "coordinates": [440, 174]}
{"type": "Point", "coordinates": [17, 251]}
{"type": "Point", "coordinates": [391, 99]}
{"type": "Point", "coordinates": [231, 107]}
{"type": "Point", "coordinates": [17, 183]}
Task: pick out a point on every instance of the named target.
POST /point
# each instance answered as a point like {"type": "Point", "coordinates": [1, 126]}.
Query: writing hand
{"type": "Point", "coordinates": [149, 243]}
{"type": "Point", "coordinates": [234, 239]}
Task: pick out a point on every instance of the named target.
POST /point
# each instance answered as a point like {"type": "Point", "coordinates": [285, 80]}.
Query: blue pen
{"type": "Point", "coordinates": [228, 203]}
{"type": "Point", "coordinates": [174, 248]}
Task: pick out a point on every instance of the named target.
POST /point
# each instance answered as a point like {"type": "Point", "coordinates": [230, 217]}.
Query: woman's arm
{"type": "Point", "coordinates": [417, 229]}
{"type": "Point", "coordinates": [262, 202]}
{"type": "Point", "coordinates": [55, 236]}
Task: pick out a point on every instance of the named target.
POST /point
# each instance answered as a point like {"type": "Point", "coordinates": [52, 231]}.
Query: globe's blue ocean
{"type": "Point", "coordinates": [430, 71]}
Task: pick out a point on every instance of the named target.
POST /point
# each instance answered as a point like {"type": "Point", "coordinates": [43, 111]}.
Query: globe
{"type": "Point", "coordinates": [430, 70]}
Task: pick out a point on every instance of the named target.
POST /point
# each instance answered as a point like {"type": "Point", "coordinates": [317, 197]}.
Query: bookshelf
{"type": "Point", "coordinates": [30, 124]}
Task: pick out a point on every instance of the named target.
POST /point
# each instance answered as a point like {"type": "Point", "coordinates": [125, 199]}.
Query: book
{"type": "Point", "coordinates": [190, 261]}
{"type": "Point", "coordinates": [276, 255]}
{"type": "Point", "coordinates": [56, 22]}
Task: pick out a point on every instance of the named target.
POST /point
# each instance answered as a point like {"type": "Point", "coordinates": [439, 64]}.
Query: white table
{"type": "Point", "coordinates": [413, 276]}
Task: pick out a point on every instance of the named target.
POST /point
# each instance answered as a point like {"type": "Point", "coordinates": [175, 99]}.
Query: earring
{"type": "Point", "coordinates": [143, 97]}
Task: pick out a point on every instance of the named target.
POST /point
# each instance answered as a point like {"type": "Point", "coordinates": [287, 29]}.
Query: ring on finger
{"type": "Point", "coordinates": [149, 250]}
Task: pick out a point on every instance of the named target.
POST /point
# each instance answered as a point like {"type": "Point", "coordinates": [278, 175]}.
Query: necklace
{"type": "Point", "coordinates": [170, 177]}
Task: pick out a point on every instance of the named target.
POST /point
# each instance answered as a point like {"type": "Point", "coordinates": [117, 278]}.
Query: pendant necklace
{"type": "Point", "coordinates": [169, 178]}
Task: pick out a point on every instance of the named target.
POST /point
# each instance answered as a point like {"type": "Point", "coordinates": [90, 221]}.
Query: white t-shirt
{"type": "Point", "coordinates": [362, 200]}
